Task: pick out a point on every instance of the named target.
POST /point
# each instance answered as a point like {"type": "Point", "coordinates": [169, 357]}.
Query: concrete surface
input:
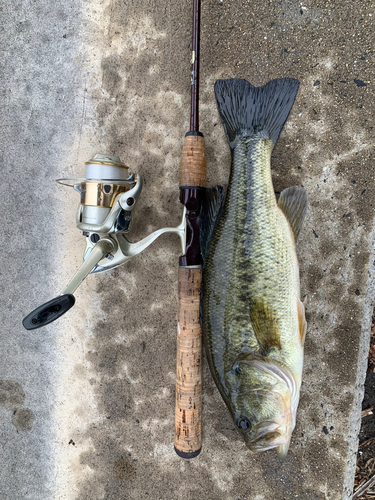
{"type": "Point", "coordinates": [87, 403]}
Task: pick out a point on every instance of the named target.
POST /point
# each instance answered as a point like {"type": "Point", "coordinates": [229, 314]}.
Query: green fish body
{"type": "Point", "coordinates": [252, 317]}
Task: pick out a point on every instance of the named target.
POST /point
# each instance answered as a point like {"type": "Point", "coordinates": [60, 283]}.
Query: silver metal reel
{"type": "Point", "coordinates": [109, 194]}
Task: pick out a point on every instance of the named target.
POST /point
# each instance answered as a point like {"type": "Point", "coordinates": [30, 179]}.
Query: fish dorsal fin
{"type": "Point", "coordinates": [265, 324]}
{"type": "Point", "coordinates": [293, 202]}
{"type": "Point", "coordinates": [302, 320]}
{"type": "Point", "coordinates": [212, 205]}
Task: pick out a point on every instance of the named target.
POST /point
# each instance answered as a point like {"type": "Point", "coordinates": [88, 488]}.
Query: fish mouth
{"type": "Point", "coordinates": [275, 440]}
{"type": "Point", "coordinates": [268, 435]}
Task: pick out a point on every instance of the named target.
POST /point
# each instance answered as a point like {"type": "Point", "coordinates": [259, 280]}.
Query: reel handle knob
{"type": "Point", "coordinates": [48, 312]}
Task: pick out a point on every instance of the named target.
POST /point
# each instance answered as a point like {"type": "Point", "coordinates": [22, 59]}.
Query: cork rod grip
{"type": "Point", "coordinates": [189, 365]}
{"type": "Point", "coordinates": [193, 162]}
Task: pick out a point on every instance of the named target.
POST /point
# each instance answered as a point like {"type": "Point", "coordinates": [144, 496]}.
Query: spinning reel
{"type": "Point", "coordinates": [108, 195]}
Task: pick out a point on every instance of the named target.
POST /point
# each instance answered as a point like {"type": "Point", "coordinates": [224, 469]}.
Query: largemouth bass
{"type": "Point", "coordinates": [252, 316]}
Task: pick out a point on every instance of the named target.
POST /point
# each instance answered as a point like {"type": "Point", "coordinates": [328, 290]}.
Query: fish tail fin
{"type": "Point", "coordinates": [248, 110]}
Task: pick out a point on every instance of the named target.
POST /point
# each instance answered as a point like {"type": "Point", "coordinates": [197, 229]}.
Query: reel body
{"type": "Point", "coordinates": [108, 196]}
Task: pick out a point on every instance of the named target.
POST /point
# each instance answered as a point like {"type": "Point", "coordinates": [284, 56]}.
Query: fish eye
{"type": "Point", "coordinates": [244, 424]}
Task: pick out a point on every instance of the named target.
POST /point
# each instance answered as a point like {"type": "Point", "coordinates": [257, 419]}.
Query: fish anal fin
{"type": "Point", "coordinates": [265, 325]}
{"type": "Point", "coordinates": [293, 202]}
{"type": "Point", "coordinates": [302, 320]}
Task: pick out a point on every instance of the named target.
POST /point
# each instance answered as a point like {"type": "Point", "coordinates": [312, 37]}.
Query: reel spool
{"type": "Point", "coordinates": [108, 196]}
{"type": "Point", "coordinates": [106, 177]}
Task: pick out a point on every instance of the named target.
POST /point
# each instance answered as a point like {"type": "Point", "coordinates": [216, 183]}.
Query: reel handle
{"type": "Point", "coordinates": [52, 310]}
{"type": "Point", "coordinates": [48, 312]}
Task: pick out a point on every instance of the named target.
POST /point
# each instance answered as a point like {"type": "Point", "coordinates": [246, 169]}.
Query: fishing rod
{"type": "Point", "coordinates": [188, 439]}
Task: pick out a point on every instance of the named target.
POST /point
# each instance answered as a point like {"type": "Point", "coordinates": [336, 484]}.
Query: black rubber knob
{"type": "Point", "coordinates": [48, 312]}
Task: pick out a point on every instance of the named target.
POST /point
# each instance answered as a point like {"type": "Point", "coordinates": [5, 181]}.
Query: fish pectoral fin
{"type": "Point", "coordinates": [213, 202]}
{"type": "Point", "coordinates": [302, 320]}
{"type": "Point", "coordinates": [265, 325]}
{"type": "Point", "coordinates": [293, 202]}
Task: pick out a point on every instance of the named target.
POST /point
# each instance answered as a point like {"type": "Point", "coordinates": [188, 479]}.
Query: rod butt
{"type": "Point", "coordinates": [185, 455]}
